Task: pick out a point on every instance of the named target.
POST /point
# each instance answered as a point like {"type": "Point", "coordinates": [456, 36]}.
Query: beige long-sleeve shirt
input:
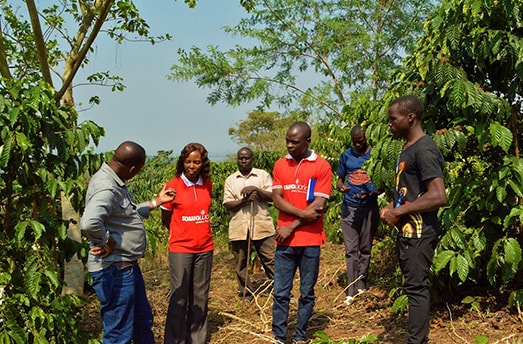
{"type": "Point", "coordinates": [241, 220]}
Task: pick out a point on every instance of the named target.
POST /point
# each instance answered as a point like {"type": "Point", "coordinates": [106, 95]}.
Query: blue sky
{"type": "Point", "coordinates": [153, 111]}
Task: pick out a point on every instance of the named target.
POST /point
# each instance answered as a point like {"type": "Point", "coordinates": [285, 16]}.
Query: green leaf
{"type": "Point", "coordinates": [400, 304]}
{"type": "Point", "coordinates": [501, 193]}
{"type": "Point", "coordinates": [32, 277]}
{"type": "Point", "coordinates": [517, 211]}
{"type": "Point", "coordinates": [18, 334]}
{"type": "Point", "coordinates": [462, 267]}
{"type": "Point", "coordinates": [38, 228]}
{"type": "Point", "coordinates": [442, 258]}
{"type": "Point", "coordinates": [53, 277]}
{"type": "Point", "coordinates": [5, 152]}
{"type": "Point", "coordinates": [493, 263]}
{"type": "Point", "coordinates": [481, 339]}
{"type": "Point", "coordinates": [468, 299]}
{"type": "Point", "coordinates": [22, 141]}
{"type": "Point", "coordinates": [13, 115]}
{"type": "Point", "coordinates": [501, 136]}
{"type": "Point", "coordinates": [512, 252]}
{"type": "Point", "coordinates": [20, 229]}
{"type": "Point", "coordinates": [516, 187]}
{"type": "Point", "coordinates": [322, 336]}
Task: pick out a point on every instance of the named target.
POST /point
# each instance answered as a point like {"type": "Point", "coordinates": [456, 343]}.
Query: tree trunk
{"type": "Point", "coordinates": [74, 275]}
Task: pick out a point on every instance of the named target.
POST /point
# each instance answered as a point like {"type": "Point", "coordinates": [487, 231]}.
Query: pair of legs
{"type": "Point", "coordinates": [264, 249]}
{"type": "Point", "coordinates": [415, 259]}
{"type": "Point", "coordinates": [359, 226]}
{"type": "Point", "coordinates": [190, 277]}
{"type": "Point", "coordinates": [124, 308]}
{"type": "Point", "coordinates": [287, 260]}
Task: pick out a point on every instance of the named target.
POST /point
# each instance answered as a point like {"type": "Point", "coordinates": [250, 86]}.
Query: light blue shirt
{"type": "Point", "coordinates": [111, 210]}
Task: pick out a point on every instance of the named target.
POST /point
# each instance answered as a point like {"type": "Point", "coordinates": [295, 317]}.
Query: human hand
{"type": "Point", "coordinates": [343, 188]}
{"type": "Point", "coordinates": [389, 217]}
{"type": "Point", "coordinates": [165, 195]}
{"type": "Point", "coordinates": [104, 251]}
{"type": "Point", "coordinates": [311, 214]}
{"type": "Point", "coordinates": [283, 233]}
{"type": "Point", "coordinates": [250, 193]}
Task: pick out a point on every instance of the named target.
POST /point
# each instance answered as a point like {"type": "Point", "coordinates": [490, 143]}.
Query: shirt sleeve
{"type": "Point", "coordinates": [276, 182]}
{"type": "Point", "coordinates": [267, 182]}
{"type": "Point", "coordinates": [228, 195]}
{"type": "Point", "coordinates": [144, 209]}
{"type": "Point", "coordinates": [341, 172]}
{"type": "Point", "coordinates": [430, 163]}
{"type": "Point", "coordinates": [324, 181]}
{"type": "Point", "coordinates": [96, 212]}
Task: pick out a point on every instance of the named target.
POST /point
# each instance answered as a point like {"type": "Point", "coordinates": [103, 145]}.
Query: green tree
{"type": "Point", "coordinates": [262, 131]}
{"type": "Point", "coordinates": [468, 69]}
{"type": "Point", "coordinates": [45, 159]}
{"type": "Point", "coordinates": [307, 56]}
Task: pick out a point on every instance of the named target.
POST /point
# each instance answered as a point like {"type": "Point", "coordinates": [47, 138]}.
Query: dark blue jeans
{"type": "Point", "coordinates": [287, 260]}
{"type": "Point", "coordinates": [125, 310]}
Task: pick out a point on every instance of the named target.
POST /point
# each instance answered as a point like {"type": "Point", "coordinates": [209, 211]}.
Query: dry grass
{"type": "Point", "coordinates": [233, 320]}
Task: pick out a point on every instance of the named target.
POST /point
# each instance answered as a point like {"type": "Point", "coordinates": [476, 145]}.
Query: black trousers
{"type": "Point", "coordinates": [415, 259]}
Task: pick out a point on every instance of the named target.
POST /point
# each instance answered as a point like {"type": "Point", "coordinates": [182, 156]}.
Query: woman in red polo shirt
{"type": "Point", "coordinates": [190, 247]}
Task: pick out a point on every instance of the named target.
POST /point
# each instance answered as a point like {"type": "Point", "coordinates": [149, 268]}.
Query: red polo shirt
{"type": "Point", "coordinates": [293, 178]}
{"type": "Point", "coordinates": [190, 228]}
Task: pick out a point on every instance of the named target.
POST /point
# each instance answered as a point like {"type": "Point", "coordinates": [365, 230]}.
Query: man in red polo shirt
{"type": "Point", "coordinates": [301, 186]}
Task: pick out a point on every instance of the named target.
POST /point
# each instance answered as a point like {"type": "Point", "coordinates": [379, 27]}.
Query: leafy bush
{"type": "Point", "coordinates": [40, 160]}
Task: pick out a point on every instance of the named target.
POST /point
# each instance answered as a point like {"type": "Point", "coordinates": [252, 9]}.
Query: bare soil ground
{"type": "Point", "coordinates": [234, 320]}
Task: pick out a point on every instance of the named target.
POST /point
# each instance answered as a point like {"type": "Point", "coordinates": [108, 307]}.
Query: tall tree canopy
{"type": "Point", "coordinates": [307, 55]}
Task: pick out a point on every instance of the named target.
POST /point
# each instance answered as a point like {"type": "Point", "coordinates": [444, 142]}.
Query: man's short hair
{"type": "Point", "coordinates": [409, 104]}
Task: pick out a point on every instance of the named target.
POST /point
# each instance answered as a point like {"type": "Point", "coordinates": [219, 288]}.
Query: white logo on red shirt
{"type": "Point", "coordinates": [202, 217]}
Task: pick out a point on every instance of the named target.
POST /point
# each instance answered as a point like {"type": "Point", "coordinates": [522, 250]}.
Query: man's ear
{"type": "Point", "coordinates": [411, 117]}
{"type": "Point", "coordinates": [132, 170]}
{"type": "Point", "coordinates": [308, 140]}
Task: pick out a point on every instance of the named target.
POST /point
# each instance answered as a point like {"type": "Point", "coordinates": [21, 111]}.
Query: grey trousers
{"type": "Point", "coordinates": [359, 226]}
{"type": "Point", "coordinates": [265, 250]}
{"type": "Point", "coordinates": [190, 277]}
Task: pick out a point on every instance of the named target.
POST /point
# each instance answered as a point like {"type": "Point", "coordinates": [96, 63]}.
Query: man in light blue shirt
{"type": "Point", "coordinates": [113, 222]}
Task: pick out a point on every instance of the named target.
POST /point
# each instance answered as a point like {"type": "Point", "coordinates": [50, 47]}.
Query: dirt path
{"type": "Point", "coordinates": [232, 320]}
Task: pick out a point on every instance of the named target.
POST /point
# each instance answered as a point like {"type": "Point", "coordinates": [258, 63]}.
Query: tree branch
{"type": "Point", "coordinates": [74, 61]}
{"type": "Point", "coordinates": [299, 90]}
{"type": "Point", "coordinates": [41, 49]}
{"type": "Point", "coordinates": [4, 68]}
{"type": "Point", "coordinates": [323, 59]}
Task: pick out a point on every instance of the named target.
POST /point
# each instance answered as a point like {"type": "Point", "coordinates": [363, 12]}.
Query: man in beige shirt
{"type": "Point", "coordinates": [246, 196]}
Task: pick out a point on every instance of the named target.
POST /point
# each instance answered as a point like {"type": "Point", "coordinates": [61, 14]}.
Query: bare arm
{"type": "Point", "coordinates": [309, 214]}
{"type": "Point", "coordinates": [235, 205]}
{"type": "Point", "coordinates": [431, 200]}
{"type": "Point", "coordinates": [303, 216]}
{"type": "Point", "coordinates": [166, 217]}
{"type": "Point", "coordinates": [340, 184]}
